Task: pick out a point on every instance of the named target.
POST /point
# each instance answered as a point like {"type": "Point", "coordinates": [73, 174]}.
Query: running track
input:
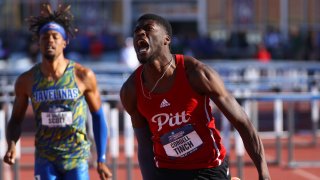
{"type": "Point", "coordinates": [278, 172]}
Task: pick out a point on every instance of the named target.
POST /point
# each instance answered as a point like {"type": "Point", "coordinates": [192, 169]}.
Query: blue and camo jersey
{"type": "Point", "coordinates": [61, 112]}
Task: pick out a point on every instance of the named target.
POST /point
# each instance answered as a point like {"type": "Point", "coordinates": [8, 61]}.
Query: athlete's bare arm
{"type": "Point", "coordinates": [206, 81]}
{"type": "Point", "coordinates": [87, 83]}
{"type": "Point", "coordinates": [129, 100]}
{"type": "Point", "coordinates": [22, 90]}
{"type": "Point", "coordinates": [141, 129]}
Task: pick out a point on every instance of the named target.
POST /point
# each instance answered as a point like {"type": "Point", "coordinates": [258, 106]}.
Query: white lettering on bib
{"type": "Point", "coordinates": [56, 119]}
{"type": "Point", "coordinates": [181, 142]}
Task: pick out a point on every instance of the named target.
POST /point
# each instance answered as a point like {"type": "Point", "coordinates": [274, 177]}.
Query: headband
{"type": "Point", "coordinates": [54, 27]}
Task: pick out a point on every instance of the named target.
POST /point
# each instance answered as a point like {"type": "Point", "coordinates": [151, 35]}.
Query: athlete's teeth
{"type": "Point", "coordinates": [143, 50]}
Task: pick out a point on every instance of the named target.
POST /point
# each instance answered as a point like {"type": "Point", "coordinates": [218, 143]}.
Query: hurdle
{"type": "Point", "coordinates": [114, 141]}
{"type": "Point", "coordinates": [2, 141]}
{"type": "Point", "coordinates": [278, 101]}
{"type": "Point", "coordinates": [314, 97]}
{"type": "Point", "coordinates": [4, 118]}
{"type": "Point", "coordinates": [314, 114]}
{"type": "Point", "coordinates": [291, 98]}
{"type": "Point", "coordinates": [113, 150]}
{"type": "Point", "coordinates": [129, 144]}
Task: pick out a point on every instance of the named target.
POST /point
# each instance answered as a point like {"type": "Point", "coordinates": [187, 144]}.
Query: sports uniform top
{"type": "Point", "coordinates": [61, 112]}
{"type": "Point", "coordinates": [183, 128]}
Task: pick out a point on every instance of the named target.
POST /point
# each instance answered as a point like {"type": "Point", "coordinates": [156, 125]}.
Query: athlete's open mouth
{"type": "Point", "coordinates": [50, 48]}
{"type": "Point", "coordinates": [142, 46]}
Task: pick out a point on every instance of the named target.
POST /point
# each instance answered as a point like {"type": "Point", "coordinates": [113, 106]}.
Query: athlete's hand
{"type": "Point", "coordinates": [10, 155]}
{"type": "Point", "coordinates": [104, 171]}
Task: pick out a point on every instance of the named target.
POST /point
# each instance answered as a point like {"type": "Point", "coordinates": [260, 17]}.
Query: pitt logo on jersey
{"type": "Point", "coordinates": [170, 119]}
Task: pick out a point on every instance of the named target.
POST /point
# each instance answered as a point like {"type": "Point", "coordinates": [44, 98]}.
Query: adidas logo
{"type": "Point", "coordinates": [164, 103]}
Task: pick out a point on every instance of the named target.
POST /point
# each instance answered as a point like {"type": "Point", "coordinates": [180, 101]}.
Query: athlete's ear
{"type": "Point", "coordinates": [65, 43]}
{"type": "Point", "coordinates": [167, 40]}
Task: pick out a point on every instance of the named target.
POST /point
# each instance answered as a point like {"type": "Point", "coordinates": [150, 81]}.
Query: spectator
{"type": "Point", "coordinates": [263, 55]}
{"type": "Point", "coordinates": [128, 55]}
{"type": "Point", "coordinates": [96, 48]}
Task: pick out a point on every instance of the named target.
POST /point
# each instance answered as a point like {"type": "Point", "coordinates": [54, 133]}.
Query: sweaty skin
{"type": "Point", "coordinates": [151, 43]}
{"type": "Point", "coordinates": [52, 67]}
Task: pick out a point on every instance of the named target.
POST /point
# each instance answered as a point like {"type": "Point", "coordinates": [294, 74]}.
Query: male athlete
{"type": "Point", "coordinates": [61, 91]}
{"type": "Point", "coordinates": [168, 99]}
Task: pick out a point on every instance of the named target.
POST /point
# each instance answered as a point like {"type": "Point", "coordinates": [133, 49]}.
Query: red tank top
{"type": "Point", "coordinates": [181, 121]}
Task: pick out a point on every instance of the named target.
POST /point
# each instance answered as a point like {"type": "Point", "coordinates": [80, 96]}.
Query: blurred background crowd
{"type": "Point", "coordinates": [300, 45]}
{"type": "Point", "coordinates": [255, 45]}
{"type": "Point", "coordinates": [263, 30]}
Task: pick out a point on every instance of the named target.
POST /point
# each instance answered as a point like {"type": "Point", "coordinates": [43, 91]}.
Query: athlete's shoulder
{"type": "Point", "coordinates": [193, 65]}
{"type": "Point", "coordinates": [28, 75]}
{"type": "Point", "coordinates": [128, 94]}
{"type": "Point", "coordinates": [128, 90]}
{"type": "Point", "coordinates": [129, 85]}
{"type": "Point", "coordinates": [25, 80]}
{"type": "Point", "coordinates": [82, 72]}
{"type": "Point", "coordinates": [85, 78]}
{"type": "Point", "coordinates": [200, 75]}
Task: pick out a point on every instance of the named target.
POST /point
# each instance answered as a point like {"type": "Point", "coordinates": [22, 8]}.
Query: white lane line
{"type": "Point", "coordinates": [306, 174]}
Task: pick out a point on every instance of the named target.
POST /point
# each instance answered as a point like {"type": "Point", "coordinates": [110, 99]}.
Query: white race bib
{"type": "Point", "coordinates": [181, 142]}
{"type": "Point", "coordinates": [56, 119]}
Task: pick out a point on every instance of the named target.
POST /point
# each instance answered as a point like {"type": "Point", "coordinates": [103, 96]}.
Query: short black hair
{"type": "Point", "coordinates": [62, 16]}
{"type": "Point", "coordinates": [162, 21]}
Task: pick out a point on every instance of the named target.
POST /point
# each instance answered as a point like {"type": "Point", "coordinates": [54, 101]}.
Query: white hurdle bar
{"type": "Point", "coordinates": [315, 113]}
{"type": "Point", "coordinates": [278, 127]}
{"type": "Point", "coordinates": [3, 143]}
{"type": "Point", "coordinates": [313, 97]}
{"type": "Point", "coordinates": [114, 141]}
{"type": "Point", "coordinates": [129, 144]}
{"type": "Point", "coordinates": [279, 98]}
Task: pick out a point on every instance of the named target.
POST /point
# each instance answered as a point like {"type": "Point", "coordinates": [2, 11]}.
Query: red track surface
{"type": "Point", "coordinates": [278, 172]}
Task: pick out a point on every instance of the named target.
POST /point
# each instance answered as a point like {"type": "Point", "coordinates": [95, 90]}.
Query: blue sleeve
{"type": "Point", "coordinates": [145, 153]}
{"type": "Point", "coordinates": [100, 133]}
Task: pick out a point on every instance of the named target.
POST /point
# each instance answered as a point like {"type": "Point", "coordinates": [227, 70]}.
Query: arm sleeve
{"type": "Point", "coordinates": [145, 153]}
{"type": "Point", "coordinates": [100, 133]}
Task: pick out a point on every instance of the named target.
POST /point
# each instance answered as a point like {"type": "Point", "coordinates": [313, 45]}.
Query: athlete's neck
{"type": "Point", "coordinates": [53, 70]}
{"type": "Point", "coordinates": [158, 64]}
{"type": "Point", "coordinates": [157, 70]}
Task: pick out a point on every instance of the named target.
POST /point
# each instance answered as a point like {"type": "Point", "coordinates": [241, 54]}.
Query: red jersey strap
{"type": "Point", "coordinates": [180, 59]}
{"type": "Point", "coordinates": [181, 77]}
